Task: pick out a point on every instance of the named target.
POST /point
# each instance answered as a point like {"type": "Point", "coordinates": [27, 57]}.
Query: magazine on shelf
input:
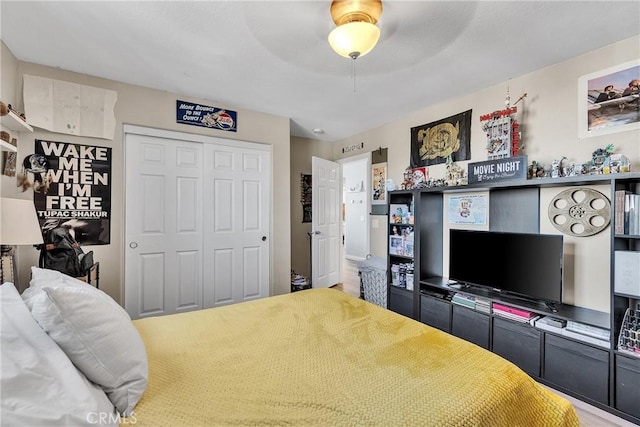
{"type": "Point", "coordinates": [396, 245]}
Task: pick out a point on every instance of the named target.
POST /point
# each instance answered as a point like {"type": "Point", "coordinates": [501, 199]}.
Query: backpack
{"type": "Point", "coordinates": [61, 252]}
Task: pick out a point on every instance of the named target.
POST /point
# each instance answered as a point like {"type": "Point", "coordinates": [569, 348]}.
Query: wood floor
{"type": "Point", "coordinates": [590, 416]}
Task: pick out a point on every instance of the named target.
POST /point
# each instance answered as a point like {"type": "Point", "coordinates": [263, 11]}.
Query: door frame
{"type": "Point", "coordinates": [367, 195]}
{"type": "Point", "coordinates": [191, 137]}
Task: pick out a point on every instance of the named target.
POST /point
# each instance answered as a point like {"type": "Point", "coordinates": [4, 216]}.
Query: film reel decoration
{"type": "Point", "coordinates": [580, 212]}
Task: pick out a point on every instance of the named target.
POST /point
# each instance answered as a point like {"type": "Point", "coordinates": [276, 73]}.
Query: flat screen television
{"type": "Point", "coordinates": [526, 265]}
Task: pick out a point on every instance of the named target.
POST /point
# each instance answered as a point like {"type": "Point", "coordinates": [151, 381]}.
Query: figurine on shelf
{"type": "Point", "coordinates": [536, 170]}
{"type": "Point", "coordinates": [616, 163]}
{"type": "Point", "coordinates": [557, 168]}
{"type": "Point", "coordinates": [598, 158]}
{"type": "Point", "coordinates": [407, 184]}
{"type": "Point", "coordinates": [455, 174]}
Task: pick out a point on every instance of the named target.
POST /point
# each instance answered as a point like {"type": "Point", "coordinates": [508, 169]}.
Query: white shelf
{"type": "Point", "coordinates": [5, 146]}
{"type": "Point", "coordinates": [14, 122]}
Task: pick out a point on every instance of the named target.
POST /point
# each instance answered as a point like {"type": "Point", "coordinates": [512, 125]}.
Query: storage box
{"type": "Point", "coordinates": [627, 272]}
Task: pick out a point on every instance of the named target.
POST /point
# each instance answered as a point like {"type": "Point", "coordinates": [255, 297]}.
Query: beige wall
{"type": "Point", "coordinates": [156, 109]}
{"type": "Point", "coordinates": [302, 150]}
{"type": "Point", "coordinates": [548, 119]}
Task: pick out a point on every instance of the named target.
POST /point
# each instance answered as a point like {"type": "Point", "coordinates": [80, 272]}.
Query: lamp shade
{"type": "Point", "coordinates": [19, 222]}
{"type": "Point", "coordinates": [354, 39]}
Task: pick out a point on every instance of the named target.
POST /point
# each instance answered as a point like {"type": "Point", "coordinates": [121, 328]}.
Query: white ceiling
{"type": "Point", "coordinates": [273, 56]}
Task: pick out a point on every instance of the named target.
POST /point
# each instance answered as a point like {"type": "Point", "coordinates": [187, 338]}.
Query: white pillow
{"type": "Point", "coordinates": [40, 386]}
{"type": "Point", "coordinates": [97, 335]}
{"type": "Point", "coordinates": [41, 277]}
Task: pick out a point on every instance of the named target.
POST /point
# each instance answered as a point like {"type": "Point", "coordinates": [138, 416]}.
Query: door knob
{"type": "Point", "coordinates": [264, 238]}
{"type": "Point", "coordinates": [133, 245]}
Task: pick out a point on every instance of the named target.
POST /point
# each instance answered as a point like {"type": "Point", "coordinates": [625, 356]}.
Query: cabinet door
{"type": "Point", "coordinates": [435, 312]}
{"type": "Point", "coordinates": [577, 367]}
{"type": "Point", "coordinates": [519, 343]}
{"type": "Point", "coordinates": [401, 301]}
{"type": "Point", "coordinates": [628, 385]}
{"type": "Point", "coordinates": [470, 325]}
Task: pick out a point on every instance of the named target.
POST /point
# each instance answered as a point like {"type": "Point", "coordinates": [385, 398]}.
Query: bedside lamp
{"type": "Point", "coordinates": [18, 226]}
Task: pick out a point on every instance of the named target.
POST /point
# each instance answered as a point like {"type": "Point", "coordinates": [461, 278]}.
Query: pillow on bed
{"type": "Point", "coordinates": [40, 386]}
{"type": "Point", "coordinates": [97, 335]}
{"type": "Point", "coordinates": [41, 277]}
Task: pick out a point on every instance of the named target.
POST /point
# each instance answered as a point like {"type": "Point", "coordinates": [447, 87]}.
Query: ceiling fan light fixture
{"type": "Point", "coordinates": [356, 32]}
{"type": "Point", "coordinates": [354, 39]}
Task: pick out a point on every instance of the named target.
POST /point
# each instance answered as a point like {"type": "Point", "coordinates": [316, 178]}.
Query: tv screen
{"type": "Point", "coordinates": [528, 265]}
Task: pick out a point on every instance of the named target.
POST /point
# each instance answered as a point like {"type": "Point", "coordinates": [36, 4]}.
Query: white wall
{"type": "Point", "coordinates": [156, 109]}
{"type": "Point", "coordinates": [549, 123]}
{"type": "Point", "coordinates": [356, 208]}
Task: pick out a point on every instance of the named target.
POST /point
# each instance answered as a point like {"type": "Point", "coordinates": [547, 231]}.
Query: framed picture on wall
{"type": "Point", "coordinates": [379, 187]}
{"type": "Point", "coordinates": [609, 100]}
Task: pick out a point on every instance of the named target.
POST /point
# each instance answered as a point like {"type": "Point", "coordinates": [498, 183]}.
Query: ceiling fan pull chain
{"type": "Point", "coordinates": [353, 74]}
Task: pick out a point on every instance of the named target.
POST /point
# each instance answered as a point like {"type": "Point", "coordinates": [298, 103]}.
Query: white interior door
{"type": "Point", "coordinates": [163, 268]}
{"type": "Point", "coordinates": [236, 201]}
{"type": "Point", "coordinates": [326, 186]}
{"type": "Point", "coordinates": [197, 221]}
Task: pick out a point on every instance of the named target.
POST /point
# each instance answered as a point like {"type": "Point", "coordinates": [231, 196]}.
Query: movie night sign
{"type": "Point", "coordinates": [498, 170]}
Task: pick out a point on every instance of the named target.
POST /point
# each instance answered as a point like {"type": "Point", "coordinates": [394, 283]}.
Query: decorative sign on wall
{"type": "Point", "coordinates": [72, 187]}
{"type": "Point", "coordinates": [353, 147]}
{"type": "Point", "coordinates": [498, 170]}
{"type": "Point", "coordinates": [305, 196]}
{"type": "Point", "coordinates": [432, 143]}
{"type": "Point", "coordinates": [189, 113]}
{"type": "Point", "coordinates": [580, 211]}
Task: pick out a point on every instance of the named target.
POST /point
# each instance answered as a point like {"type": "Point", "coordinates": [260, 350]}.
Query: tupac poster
{"type": "Point", "coordinates": [72, 188]}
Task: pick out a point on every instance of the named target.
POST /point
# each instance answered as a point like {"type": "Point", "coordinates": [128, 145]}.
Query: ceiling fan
{"type": "Point", "coordinates": [356, 33]}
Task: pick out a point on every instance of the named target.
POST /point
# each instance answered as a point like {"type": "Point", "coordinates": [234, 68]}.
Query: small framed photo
{"type": "Point", "coordinates": [379, 187]}
{"type": "Point", "coordinates": [609, 100]}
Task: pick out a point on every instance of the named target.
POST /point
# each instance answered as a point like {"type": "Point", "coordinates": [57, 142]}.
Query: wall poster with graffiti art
{"type": "Point", "coordinates": [305, 196]}
{"type": "Point", "coordinates": [71, 186]}
{"type": "Point", "coordinates": [433, 143]}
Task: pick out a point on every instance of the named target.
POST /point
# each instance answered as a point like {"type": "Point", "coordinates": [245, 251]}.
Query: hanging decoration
{"type": "Point", "coordinates": [580, 211]}
{"type": "Point", "coordinates": [502, 130]}
{"type": "Point", "coordinates": [434, 142]}
{"type": "Point", "coordinates": [305, 196]}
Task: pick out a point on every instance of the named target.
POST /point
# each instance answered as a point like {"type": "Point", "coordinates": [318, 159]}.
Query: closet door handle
{"type": "Point", "coordinates": [264, 238]}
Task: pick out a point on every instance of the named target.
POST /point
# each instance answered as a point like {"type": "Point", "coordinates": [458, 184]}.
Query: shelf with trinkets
{"type": "Point", "coordinates": [575, 366]}
{"type": "Point", "coordinates": [11, 123]}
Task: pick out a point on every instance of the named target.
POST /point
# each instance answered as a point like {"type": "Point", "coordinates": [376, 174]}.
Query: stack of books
{"type": "Point", "coordinates": [483, 305]}
{"type": "Point", "coordinates": [513, 313]}
{"type": "Point", "coordinates": [587, 333]}
{"type": "Point", "coordinates": [464, 300]}
{"type": "Point", "coordinates": [627, 213]}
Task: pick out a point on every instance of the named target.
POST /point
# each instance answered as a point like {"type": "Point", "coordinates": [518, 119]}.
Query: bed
{"type": "Point", "coordinates": [323, 357]}
{"type": "Point", "coordinates": [314, 357]}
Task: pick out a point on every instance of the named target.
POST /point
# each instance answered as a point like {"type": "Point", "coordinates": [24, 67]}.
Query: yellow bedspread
{"type": "Point", "coordinates": [322, 357]}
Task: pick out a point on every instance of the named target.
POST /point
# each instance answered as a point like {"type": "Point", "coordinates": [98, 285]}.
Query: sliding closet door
{"type": "Point", "coordinates": [236, 200]}
{"type": "Point", "coordinates": [197, 221]}
{"type": "Point", "coordinates": [164, 227]}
